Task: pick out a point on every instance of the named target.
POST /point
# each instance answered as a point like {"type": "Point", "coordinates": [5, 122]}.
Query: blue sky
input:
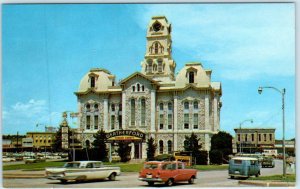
{"type": "Point", "coordinates": [47, 49]}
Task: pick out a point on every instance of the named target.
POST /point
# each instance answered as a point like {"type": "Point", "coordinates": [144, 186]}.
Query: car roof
{"type": "Point", "coordinates": [244, 158]}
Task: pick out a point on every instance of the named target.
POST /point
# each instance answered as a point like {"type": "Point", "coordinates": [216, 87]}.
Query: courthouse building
{"type": "Point", "coordinates": [153, 102]}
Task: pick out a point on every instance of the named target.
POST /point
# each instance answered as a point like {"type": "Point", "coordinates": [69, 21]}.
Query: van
{"type": "Point", "coordinates": [243, 167]}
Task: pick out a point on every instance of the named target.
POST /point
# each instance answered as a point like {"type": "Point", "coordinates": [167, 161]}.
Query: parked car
{"type": "Point", "coordinates": [8, 159]}
{"type": "Point", "coordinates": [34, 160]}
{"type": "Point", "coordinates": [168, 172]}
{"type": "Point", "coordinates": [268, 162]}
{"type": "Point", "coordinates": [81, 171]}
{"type": "Point", "coordinates": [243, 167]}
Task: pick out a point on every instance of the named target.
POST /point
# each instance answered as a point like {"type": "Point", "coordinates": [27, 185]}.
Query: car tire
{"type": "Point", "coordinates": [170, 182]}
{"type": "Point", "coordinates": [112, 177]}
{"type": "Point", "coordinates": [191, 180]}
{"type": "Point", "coordinates": [63, 181]}
{"type": "Point", "coordinates": [151, 183]}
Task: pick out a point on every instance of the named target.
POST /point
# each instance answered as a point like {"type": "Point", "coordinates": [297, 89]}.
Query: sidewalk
{"type": "Point", "coordinates": [23, 174]}
{"type": "Point", "coordinates": [267, 183]}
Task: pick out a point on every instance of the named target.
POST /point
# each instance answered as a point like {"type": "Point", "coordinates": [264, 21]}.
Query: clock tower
{"type": "Point", "coordinates": [158, 62]}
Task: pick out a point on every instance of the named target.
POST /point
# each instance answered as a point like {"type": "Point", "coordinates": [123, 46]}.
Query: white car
{"type": "Point", "coordinates": [82, 170]}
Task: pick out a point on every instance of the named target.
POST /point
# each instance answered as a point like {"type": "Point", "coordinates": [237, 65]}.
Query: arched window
{"type": "Point", "coordinates": [113, 107]}
{"type": "Point", "coordinates": [186, 105]}
{"type": "Point", "coordinates": [161, 106]}
{"type": "Point", "coordinates": [92, 81]}
{"type": "Point", "coordinates": [143, 111]}
{"type": "Point", "coordinates": [169, 147]}
{"type": "Point", "coordinates": [156, 48]}
{"type": "Point", "coordinates": [96, 106]}
{"type": "Point", "coordinates": [133, 88]}
{"type": "Point", "coordinates": [132, 112]}
{"type": "Point", "coordinates": [161, 147]}
{"type": "Point", "coordinates": [159, 67]}
{"type": "Point", "coordinates": [170, 106]}
{"type": "Point", "coordinates": [143, 88]}
{"type": "Point", "coordinates": [191, 77]}
{"type": "Point", "coordinates": [154, 67]}
{"type": "Point", "coordinates": [88, 107]}
{"type": "Point", "coordinates": [138, 87]}
{"type": "Point", "coordinates": [195, 105]}
{"type": "Point", "coordinates": [149, 66]}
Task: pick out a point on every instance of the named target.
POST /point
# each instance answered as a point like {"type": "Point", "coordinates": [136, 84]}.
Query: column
{"type": "Point", "coordinates": [216, 124]}
{"type": "Point", "coordinates": [207, 112]}
{"type": "Point", "coordinates": [105, 116]}
{"type": "Point", "coordinates": [175, 115]}
{"type": "Point", "coordinates": [153, 99]}
{"type": "Point", "coordinates": [123, 110]}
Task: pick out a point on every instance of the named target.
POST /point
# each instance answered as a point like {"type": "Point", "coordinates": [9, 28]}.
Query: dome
{"type": "Point", "coordinates": [193, 73]}
{"type": "Point", "coordinates": [97, 79]}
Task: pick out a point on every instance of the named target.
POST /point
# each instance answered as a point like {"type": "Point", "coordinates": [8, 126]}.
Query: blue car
{"type": "Point", "coordinates": [243, 167]}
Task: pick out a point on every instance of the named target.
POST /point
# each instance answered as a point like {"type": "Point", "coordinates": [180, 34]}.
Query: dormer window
{"type": "Point", "coordinates": [92, 82]}
{"type": "Point", "coordinates": [88, 107]}
{"type": "Point", "coordinates": [191, 77]}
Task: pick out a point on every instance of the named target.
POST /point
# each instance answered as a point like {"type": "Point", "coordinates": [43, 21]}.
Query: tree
{"type": "Point", "coordinates": [223, 143]}
{"type": "Point", "coordinates": [151, 149]}
{"type": "Point", "coordinates": [56, 146]}
{"type": "Point", "coordinates": [192, 145]}
{"type": "Point", "coordinates": [99, 145]}
{"type": "Point", "coordinates": [124, 151]}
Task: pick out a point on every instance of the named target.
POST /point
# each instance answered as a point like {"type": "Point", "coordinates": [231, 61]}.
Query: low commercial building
{"type": "Point", "coordinates": [289, 147]}
{"type": "Point", "coordinates": [251, 140]}
{"type": "Point", "coordinates": [41, 139]}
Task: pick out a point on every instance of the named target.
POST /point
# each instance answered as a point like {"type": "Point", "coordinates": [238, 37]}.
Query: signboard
{"type": "Point", "coordinates": [125, 135]}
{"type": "Point", "coordinates": [27, 142]}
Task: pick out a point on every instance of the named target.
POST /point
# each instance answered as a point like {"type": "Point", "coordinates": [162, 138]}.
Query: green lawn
{"type": "Point", "coordinates": [34, 166]}
{"type": "Point", "coordinates": [125, 167]}
{"type": "Point", "coordinates": [289, 178]}
{"type": "Point", "coordinates": [210, 167]}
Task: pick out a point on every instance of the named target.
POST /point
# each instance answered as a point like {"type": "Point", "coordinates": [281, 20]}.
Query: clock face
{"type": "Point", "coordinates": [156, 27]}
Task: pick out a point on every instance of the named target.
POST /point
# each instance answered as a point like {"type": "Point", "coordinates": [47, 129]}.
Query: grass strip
{"type": "Point", "coordinates": [288, 178]}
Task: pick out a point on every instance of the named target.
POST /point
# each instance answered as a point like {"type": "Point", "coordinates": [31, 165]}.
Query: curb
{"type": "Point", "coordinates": [267, 183]}
{"type": "Point", "coordinates": [23, 176]}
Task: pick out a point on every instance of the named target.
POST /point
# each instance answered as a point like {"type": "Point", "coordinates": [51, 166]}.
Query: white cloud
{"type": "Point", "coordinates": [244, 41]}
{"type": "Point", "coordinates": [23, 116]}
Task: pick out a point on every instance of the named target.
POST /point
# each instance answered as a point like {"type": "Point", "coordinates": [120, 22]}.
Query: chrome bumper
{"type": "Point", "coordinates": [151, 179]}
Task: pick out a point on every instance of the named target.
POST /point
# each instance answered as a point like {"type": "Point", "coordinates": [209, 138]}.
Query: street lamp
{"type": "Point", "coordinates": [282, 92]}
{"type": "Point", "coordinates": [251, 120]}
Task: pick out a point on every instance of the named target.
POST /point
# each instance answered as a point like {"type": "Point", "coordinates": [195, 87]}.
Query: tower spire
{"type": "Point", "coordinates": [158, 62]}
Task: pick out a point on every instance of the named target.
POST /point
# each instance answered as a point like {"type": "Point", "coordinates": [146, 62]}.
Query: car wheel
{"type": "Point", "coordinates": [112, 176]}
{"type": "Point", "coordinates": [192, 180]}
{"type": "Point", "coordinates": [170, 182]}
{"type": "Point", "coordinates": [63, 181]}
{"type": "Point", "coordinates": [151, 183]}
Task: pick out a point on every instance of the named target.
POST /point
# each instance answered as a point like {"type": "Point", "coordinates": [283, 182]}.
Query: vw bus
{"type": "Point", "coordinates": [243, 167]}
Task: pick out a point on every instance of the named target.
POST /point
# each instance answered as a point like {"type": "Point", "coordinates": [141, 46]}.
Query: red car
{"type": "Point", "coordinates": [168, 172]}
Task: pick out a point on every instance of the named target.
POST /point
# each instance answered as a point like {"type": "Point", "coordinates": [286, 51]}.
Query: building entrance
{"type": "Point", "coordinates": [129, 136]}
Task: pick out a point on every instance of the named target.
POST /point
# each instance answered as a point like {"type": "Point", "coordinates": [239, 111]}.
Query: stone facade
{"type": "Point", "coordinates": [155, 101]}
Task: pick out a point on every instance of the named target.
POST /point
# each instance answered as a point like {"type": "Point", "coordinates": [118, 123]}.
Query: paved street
{"type": "Point", "coordinates": [126, 180]}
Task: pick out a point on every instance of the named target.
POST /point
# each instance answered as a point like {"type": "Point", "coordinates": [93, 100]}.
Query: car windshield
{"type": "Point", "coordinates": [151, 166]}
{"type": "Point", "coordinates": [72, 165]}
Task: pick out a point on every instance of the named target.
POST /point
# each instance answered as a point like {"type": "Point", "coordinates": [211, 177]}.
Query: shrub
{"type": "Point", "coordinates": [201, 157]}
{"type": "Point", "coordinates": [164, 157]}
{"type": "Point", "coordinates": [216, 157]}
